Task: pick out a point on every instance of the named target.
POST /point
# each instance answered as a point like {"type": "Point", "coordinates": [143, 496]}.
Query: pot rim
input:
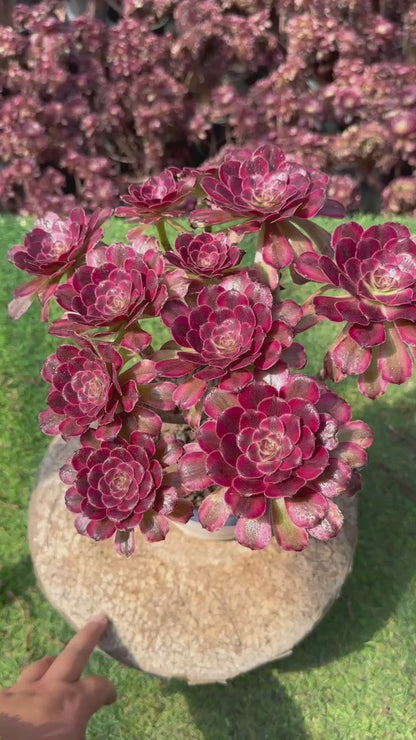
{"type": "Point", "coordinates": [194, 528]}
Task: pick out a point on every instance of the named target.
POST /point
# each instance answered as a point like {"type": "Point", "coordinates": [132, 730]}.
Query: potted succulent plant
{"type": "Point", "coordinates": [219, 422]}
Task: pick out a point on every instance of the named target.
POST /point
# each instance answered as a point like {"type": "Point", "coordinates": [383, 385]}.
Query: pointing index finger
{"type": "Point", "coordinates": [69, 665]}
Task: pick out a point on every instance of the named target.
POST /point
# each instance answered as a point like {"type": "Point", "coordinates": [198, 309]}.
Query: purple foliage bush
{"type": "Point", "coordinates": [219, 420]}
{"type": "Point", "coordinates": [92, 105]}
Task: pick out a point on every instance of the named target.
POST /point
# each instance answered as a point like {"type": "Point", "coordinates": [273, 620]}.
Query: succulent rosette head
{"type": "Point", "coordinates": [400, 196]}
{"type": "Point", "coordinates": [263, 188]}
{"type": "Point", "coordinates": [123, 485]}
{"type": "Point", "coordinates": [84, 389]}
{"type": "Point", "coordinates": [230, 327]}
{"type": "Point", "coordinates": [206, 255]}
{"type": "Point", "coordinates": [159, 196]}
{"type": "Point", "coordinates": [345, 190]}
{"type": "Point", "coordinates": [116, 286]}
{"type": "Point", "coordinates": [51, 249]}
{"type": "Point", "coordinates": [279, 457]}
{"type": "Point", "coordinates": [93, 398]}
{"type": "Point", "coordinates": [375, 272]}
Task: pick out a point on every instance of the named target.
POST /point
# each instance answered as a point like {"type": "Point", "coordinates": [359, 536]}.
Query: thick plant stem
{"type": "Point", "coordinates": [172, 417]}
{"type": "Point", "coordinates": [6, 13]}
{"type": "Point", "coordinates": [178, 227]}
{"type": "Point", "coordinates": [319, 292]}
{"type": "Point", "coordinates": [163, 237]}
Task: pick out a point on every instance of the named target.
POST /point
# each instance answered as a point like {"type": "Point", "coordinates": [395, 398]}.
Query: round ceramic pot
{"type": "Point", "coordinates": [193, 528]}
{"type": "Point", "coordinates": [188, 607]}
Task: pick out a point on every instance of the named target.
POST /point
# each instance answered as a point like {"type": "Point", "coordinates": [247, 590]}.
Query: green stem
{"type": "Point", "coordinates": [177, 226]}
{"type": "Point", "coordinates": [120, 334]}
{"type": "Point", "coordinates": [163, 237]}
{"type": "Point", "coordinates": [317, 293]}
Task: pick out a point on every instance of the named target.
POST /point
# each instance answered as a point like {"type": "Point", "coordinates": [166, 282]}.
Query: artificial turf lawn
{"type": "Point", "coordinates": [354, 677]}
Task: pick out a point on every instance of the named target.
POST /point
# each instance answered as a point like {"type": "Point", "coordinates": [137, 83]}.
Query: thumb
{"type": "Point", "coordinates": [96, 692]}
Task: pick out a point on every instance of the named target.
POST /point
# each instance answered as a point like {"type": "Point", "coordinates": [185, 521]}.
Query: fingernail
{"type": "Point", "coordinates": [100, 618]}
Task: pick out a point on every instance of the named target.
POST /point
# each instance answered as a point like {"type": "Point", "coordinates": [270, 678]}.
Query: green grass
{"type": "Point", "coordinates": [353, 678]}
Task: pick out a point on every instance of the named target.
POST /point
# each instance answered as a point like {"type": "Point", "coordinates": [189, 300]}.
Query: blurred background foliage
{"type": "Point", "coordinates": [95, 94]}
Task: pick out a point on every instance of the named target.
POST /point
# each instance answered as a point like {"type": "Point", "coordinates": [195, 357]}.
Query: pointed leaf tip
{"type": "Point", "coordinates": [214, 512]}
{"type": "Point", "coordinates": [254, 533]}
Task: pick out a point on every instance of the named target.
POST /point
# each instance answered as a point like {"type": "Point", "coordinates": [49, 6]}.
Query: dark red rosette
{"type": "Point", "coordinates": [158, 197]}
{"type": "Point", "coordinates": [206, 255]}
{"type": "Point", "coordinates": [278, 457]}
{"type": "Point", "coordinates": [49, 250]}
{"type": "Point", "coordinates": [123, 485]}
{"type": "Point", "coordinates": [374, 271]}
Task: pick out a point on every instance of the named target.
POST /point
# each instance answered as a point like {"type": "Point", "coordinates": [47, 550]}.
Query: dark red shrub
{"type": "Point", "coordinates": [91, 105]}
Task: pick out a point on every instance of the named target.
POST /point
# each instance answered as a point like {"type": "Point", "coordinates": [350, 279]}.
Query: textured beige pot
{"type": "Point", "coordinates": [195, 609]}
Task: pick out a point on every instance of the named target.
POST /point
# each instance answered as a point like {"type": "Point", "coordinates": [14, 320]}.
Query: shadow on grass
{"type": "Point", "coordinates": [249, 707]}
{"type": "Point", "coordinates": [17, 579]}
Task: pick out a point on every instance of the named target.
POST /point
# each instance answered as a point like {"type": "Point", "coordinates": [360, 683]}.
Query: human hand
{"type": "Point", "coordinates": [50, 699]}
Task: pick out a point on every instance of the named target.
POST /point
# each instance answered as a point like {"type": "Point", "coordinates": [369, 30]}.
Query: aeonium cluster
{"type": "Point", "coordinates": [222, 422]}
